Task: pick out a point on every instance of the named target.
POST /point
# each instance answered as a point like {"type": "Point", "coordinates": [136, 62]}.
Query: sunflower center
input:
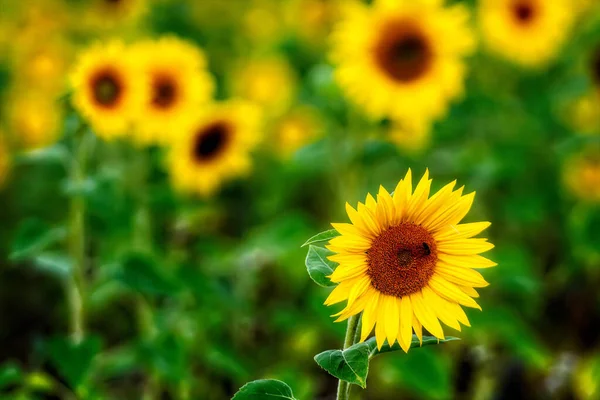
{"type": "Point", "coordinates": [106, 88]}
{"type": "Point", "coordinates": [164, 92]}
{"type": "Point", "coordinates": [403, 52]}
{"type": "Point", "coordinates": [402, 259]}
{"type": "Point", "coordinates": [210, 141]}
{"type": "Point", "coordinates": [523, 11]}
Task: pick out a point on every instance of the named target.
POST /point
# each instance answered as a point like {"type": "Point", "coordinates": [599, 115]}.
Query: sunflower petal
{"type": "Point", "coordinates": [425, 315]}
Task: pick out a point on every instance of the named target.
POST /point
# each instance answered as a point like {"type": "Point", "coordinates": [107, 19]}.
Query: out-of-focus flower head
{"type": "Point", "coordinates": [527, 32]}
{"type": "Point", "coordinates": [297, 128]}
{"type": "Point", "coordinates": [312, 20]}
{"type": "Point", "coordinates": [582, 175]}
{"type": "Point", "coordinates": [178, 85]}
{"type": "Point", "coordinates": [263, 23]}
{"type": "Point", "coordinates": [583, 114]}
{"type": "Point", "coordinates": [214, 148]}
{"type": "Point", "coordinates": [108, 15]}
{"type": "Point", "coordinates": [411, 138]}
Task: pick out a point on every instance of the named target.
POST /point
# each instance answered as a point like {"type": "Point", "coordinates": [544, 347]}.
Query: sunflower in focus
{"type": "Point", "coordinates": [406, 262]}
{"type": "Point", "coordinates": [214, 148]}
{"type": "Point", "coordinates": [527, 32]}
{"type": "Point", "coordinates": [178, 84]}
{"type": "Point", "coordinates": [582, 175]}
{"type": "Point", "coordinates": [107, 89]}
{"type": "Point", "coordinates": [402, 58]}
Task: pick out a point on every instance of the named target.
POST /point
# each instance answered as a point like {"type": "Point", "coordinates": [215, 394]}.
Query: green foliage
{"type": "Point", "coordinates": [142, 274]}
{"type": "Point", "coordinates": [264, 389]}
{"type": "Point", "coordinates": [322, 237]}
{"type": "Point", "coordinates": [319, 267]}
{"type": "Point", "coordinates": [352, 364]}
{"type": "Point", "coordinates": [34, 236]}
{"type": "Point", "coordinates": [73, 360]}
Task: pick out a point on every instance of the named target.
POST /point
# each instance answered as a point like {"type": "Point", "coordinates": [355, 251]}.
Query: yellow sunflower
{"type": "Point", "coordinates": [583, 114]}
{"type": "Point", "coordinates": [527, 32]}
{"type": "Point", "coordinates": [178, 84]}
{"type": "Point", "coordinates": [405, 262]}
{"type": "Point", "coordinates": [214, 148]}
{"type": "Point", "coordinates": [107, 89]}
{"type": "Point", "coordinates": [582, 175]}
{"type": "Point", "coordinates": [402, 58]}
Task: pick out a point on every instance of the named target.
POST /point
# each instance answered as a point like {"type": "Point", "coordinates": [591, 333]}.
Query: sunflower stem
{"type": "Point", "coordinates": [76, 282]}
{"type": "Point", "coordinates": [343, 386]}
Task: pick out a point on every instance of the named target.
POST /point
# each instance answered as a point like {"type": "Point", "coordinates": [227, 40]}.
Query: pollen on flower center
{"type": "Point", "coordinates": [210, 141]}
{"type": "Point", "coordinates": [402, 51]}
{"type": "Point", "coordinates": [164, 92]}
{"type": "Point", "coordinates": [106, 88]}
{"type": "Point", "coordinates": [402, 259]}
{"type": "Point", "coordinates": [523, 11]}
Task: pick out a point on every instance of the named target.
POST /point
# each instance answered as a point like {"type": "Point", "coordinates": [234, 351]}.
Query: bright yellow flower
{"type": "Point", "coordinates": [33, 118]}
{"type": "Point", "coordinates": [108, 89]}
{"type": "Point", "coordinates": [215, 148]}
{"type": "Point", "coordinates": [297, 128]}
{"type": "Point", "coordinates": [582, 175]}
{"type": "Point", "coordinates": [269, 82]}
{"type": "Point", "coordinates": [403, 59]}
{"type": "Point", "coordinates": [527, 32]}
{"type": "Point", "coordinates": [406, 262]}
{"type": "Point", "coordinates": [178, 85]}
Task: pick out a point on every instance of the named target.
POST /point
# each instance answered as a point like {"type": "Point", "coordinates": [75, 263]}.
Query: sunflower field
{"type": "Point", "coordinates": [300, 199]}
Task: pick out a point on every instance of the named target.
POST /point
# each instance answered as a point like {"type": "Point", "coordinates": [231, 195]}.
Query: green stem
{"type": "Point", "coordinates": [76, 282]}
{"type": "Point", "coordinates": [343, 386]}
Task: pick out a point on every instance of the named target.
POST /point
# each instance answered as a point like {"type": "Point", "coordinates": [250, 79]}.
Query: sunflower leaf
{"type": "Point", "coordinates": [319, 267]}
{"type": "Point", "coordinates": [322, 237]}
{"type": "Point", "coordinates": [264, 389]}
{"type": "Point", "coordinates": [352, 365]}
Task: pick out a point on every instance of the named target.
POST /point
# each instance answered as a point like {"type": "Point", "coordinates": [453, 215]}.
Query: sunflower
{"type": "Point", "coordinates": [107, 89]}
{"type": "Point", "coordinates": [402, 58]}
{"type": "Point", "coordinates": [178, 84]}
{"type": "Point", "coordinates": [583, 114]}
{"type": "Point", "coordinates": [528, 32]}
{"type": "Point", "coordinates": [214, 148]}
{"type": "Point", "coordinates": [582, 175]}
{"type": "Point", "coordinates": [297, 128]}
{"type": "Point", "coordinates": [405, 262]}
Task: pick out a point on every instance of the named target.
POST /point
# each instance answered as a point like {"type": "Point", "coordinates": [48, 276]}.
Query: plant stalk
{"type": "Point", "coordinates": [343, 392]}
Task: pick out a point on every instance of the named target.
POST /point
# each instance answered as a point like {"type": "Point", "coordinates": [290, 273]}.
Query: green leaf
{"type": "Point", "coordinates": [319, 267]}
{"type": "Point", "coordinates": [264, 389]}
{"type": "Point", "coordinates": [73, 360]}
{"type": "Point", "coordinates": [33, 236]}
{"type": "Point", "coordinates": [57, 153]}
{"type": "Point", "coordinates": [322, 237]}
{"type": "Point", "coordinates": [142, 274]}
{"type": "Point", "coordinates": [10, 374]}
{"type": "Point", "coordinates": [352, 365]}
{"type": "Point", "coordinates": [54, 263]}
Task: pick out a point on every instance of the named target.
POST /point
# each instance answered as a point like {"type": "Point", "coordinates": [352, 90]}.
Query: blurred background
{"type": "Point", "coordinates": [189, 297]}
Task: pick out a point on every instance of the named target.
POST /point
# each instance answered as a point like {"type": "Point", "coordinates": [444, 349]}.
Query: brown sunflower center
{"type": "Point", "coordinates": [107, 88]}
{"type": "Point", "coordinates": [210, 141]}
{"type": "Point", "coordinates": [523, 11]}
{"type": "Point", "coordinates": [164, 91]}
{"type": "Point", "coordinates": [403, 52]}
{"type": "Point", "coordinates": [402, 259]}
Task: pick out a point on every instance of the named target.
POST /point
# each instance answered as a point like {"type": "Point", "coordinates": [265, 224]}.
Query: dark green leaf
{"type": "Point", "coordinates": [322, 237]}
{"type": "Point", "coordinates": [264, 389]}
{"type": "Point", "coordinates": [141, 274]}
{"type": "Point", "coordinates": [73, 360]}
{"type": "Point", "coordinates": [10, 374]}
{"type": "Point", "coordinates": [319, 267]}
{"type": "Point", "coordinates": [352, 364]}
{"type": "Point", "coordinates": [33, 236]}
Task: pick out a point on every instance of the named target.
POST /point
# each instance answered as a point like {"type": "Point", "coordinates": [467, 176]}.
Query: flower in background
{"type": "Point", "coordinates": [582, 175]}
{"type": "Point", "coordinates": [403, 59]}
{"type": "Point", "coordinates": [311, 20]}
{"type": "Point", "coordinates": [411, 138]}
{"type": "Point", "coordinates": [178, 85]}
{"type": "Point", "coordinates": [269, 82]}
{"type": "Point", "coordinates": [108, 89]}
{"type": "Point", "coordinates": [34, 119]}
{"type": "Point", "coordinates": [4, 159]}
{"type": "Point", "coordinates": [301, 126]}
{"type": "Point", "coordinates": [405, 262]}
{"type": "Point", "coordinates": [528, 32]}
{"type": "Point", "coordinates": [584, 113]}
{"type": "Point", "coordinates": [109, 14]}
{"type": "Point", "coordinates": [214, 148]}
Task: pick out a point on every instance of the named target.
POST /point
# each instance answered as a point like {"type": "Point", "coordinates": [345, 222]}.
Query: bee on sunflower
{"type": "Point", "coordinates": [214, 148]}
{"type": "Point", "coordinates": [527, 32]}
{"type": "Point", "coordinates": [107, 89]}
{"type": "Point", "coordinates": [402, 59]}
{"type": "Point", "coordinates": [406, 262]}
{"type": "Point", "coordinates": [178, 84]}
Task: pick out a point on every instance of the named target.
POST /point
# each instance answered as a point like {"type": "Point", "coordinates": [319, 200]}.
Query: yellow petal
{"type": "Point", "coordinates": [460, 276]}
{"type": "Point", "coordinates": [417, 201]}
{"type": "Point", "coordinates": [469, 291]}
{"type": "Point", "coordinates": [438, 305]}
{"type": "Point", "coordinates": [344, 272]}
{"type": "Point", "coordinates": [450, 292]}
{"type": "Point", "coordinates": [406, 316]}
{"type": "Point", "coordinates": [369, 316]}
{"type": "Point", "coordinates": [379, 331]}
{"type": "Point", "coordinates": [392, 318]}
{"type": "Point", "coordinates": [463, 231]}
{"type": "Point", "coordinates": [453, 214]}
{"type": "Point", "coordinates": [417, 327]}
{"type": "Point", "coordinates": [434, 203]}
{"type": "Point", "coordinates": [469, 261]}
{"type": "Point", "coordinates": [361, 285]}
{"type": "Point", "coordinates": [425, 315]}
{"type": "Point", "coordinates": [464, 247]}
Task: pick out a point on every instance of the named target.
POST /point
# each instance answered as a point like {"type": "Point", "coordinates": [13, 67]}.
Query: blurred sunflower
{"type": "Point", "coordinates": [582, 175]}
{"type": "Point", "coordinates": [412, 138]}
{"type": "Point", "coordinates": [402, 58]}
{"type": "Point", "coordinates": [178, 84]}
{"type": "Point", "coordinates": [33, 118]}
{"type": "Point", "coordinates": [214, 148]}
{"type": "Point", "coordinates": [583, 114]}
{"type": "Point", "coordinates": [107, 14]}
{"type": "Point", "coordinates": [528, 32]}
{"type": "Point", "coordinates": [269, 82]}
{"type": "Point", "coordinates": [108, 89]}
{"type": "Point", "coordinates": [297, 128]}
{"type": "Point", "coordinates": [406, 262]}
{"type": "Point", "coordinates": [4, 160]}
